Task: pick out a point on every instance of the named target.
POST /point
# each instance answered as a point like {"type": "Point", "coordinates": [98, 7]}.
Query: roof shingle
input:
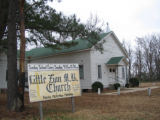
{"type": "Point", "coordinates": [115, 60]}
{"type": "Point", "coordinates": [42, 51]}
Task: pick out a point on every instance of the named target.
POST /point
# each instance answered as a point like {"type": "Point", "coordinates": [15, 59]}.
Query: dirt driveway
{"type": "Point", "coordinates": [130, 90]}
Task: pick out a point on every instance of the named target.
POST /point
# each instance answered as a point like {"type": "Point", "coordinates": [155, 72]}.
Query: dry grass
{"type": "Point", "coordinates": [147, 84]}
{"type": "Point", "coordinates": [90, 106]}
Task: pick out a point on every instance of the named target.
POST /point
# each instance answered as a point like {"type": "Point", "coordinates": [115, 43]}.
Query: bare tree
{"type": "Point", "coordinates": [147, 56]}
{"type": "Point", "coordinates": [138, 63]}
{"type": "Point", "coordinates": [129, 49]}
{"type": "Point", "coordinates": [157, 56]}
{"type": "Point", "coordinates": [146, 44]}
{"type": "Point", "coordinates": [130, 60]}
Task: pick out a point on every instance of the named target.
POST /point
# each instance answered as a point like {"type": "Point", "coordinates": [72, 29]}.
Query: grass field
{"type": "Point", "coordinates": [90, 106]}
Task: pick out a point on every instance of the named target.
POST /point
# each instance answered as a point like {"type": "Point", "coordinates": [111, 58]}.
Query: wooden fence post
{"type": "Point", "coordinates": [118, 91]}
{"type": "Point", "coordinates": [99, 91]}
{"type": "Point", "coordinates": [149, 91]}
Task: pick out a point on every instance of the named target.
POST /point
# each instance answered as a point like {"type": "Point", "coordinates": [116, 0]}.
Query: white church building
{"type": "Point", "coordinates": [108, 67]}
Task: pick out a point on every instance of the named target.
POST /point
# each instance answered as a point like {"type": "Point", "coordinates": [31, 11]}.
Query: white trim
{"type": "Point", "coordinates": [104, 38]}
{"type": "Point", "coordinates": [116, 40]}
{"type": "Point", "coordinates": [120, 45]}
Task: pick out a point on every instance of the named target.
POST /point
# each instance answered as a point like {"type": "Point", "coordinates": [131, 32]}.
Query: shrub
{"type": "Point", "coordinates": [97, 85]}
{"type": "Point", "coordinates": [134, 82]}
{"type": "Point", "coordinates": [127, 85]}
{"type": "Point", "coordinates": [85, 90]}
{"type": "Point", "coordinates": [116, 86]}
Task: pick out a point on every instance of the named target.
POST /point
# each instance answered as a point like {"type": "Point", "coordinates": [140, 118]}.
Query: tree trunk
{"type": "Point", "coordinates": [22, 55]}
{"type": "Point", "coordinates": [3, 16]}
{"type": "Point", "coordinates": [12, 58]}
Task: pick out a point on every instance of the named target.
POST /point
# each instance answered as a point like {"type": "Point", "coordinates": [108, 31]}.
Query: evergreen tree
{"type": "Point", "coordinates": [43, 25]}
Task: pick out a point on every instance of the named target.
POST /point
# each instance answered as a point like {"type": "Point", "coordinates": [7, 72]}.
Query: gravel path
{"type": "Point", "coordinates": [130, 90]}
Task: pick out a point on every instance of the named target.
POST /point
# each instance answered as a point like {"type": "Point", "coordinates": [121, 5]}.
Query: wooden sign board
{"type": "Point", "coordinates": [53, 81]}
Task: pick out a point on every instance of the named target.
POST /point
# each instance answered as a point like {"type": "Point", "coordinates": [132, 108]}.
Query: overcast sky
{"type": "Point", "coordinates": [127, 18]}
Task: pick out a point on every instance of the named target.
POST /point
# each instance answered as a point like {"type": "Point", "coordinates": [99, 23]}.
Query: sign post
{"type": "Point", "coordinates": [53, 81]}
{"type": "Point", "coordinates": [73, 104]}
{"type": "Point", "coordinates": [41, 110]}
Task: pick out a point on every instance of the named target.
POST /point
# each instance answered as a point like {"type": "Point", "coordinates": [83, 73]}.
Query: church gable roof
{"type": "Point", "coordinates": [44, 52]}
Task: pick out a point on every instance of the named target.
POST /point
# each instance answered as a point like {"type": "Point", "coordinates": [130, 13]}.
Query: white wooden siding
{"type": "Point", "coordinates": [82, 58]}
{"type": "Point", "coordinates": [111, 49]}
{"type": "Point", "coordinates": [123, 80]}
